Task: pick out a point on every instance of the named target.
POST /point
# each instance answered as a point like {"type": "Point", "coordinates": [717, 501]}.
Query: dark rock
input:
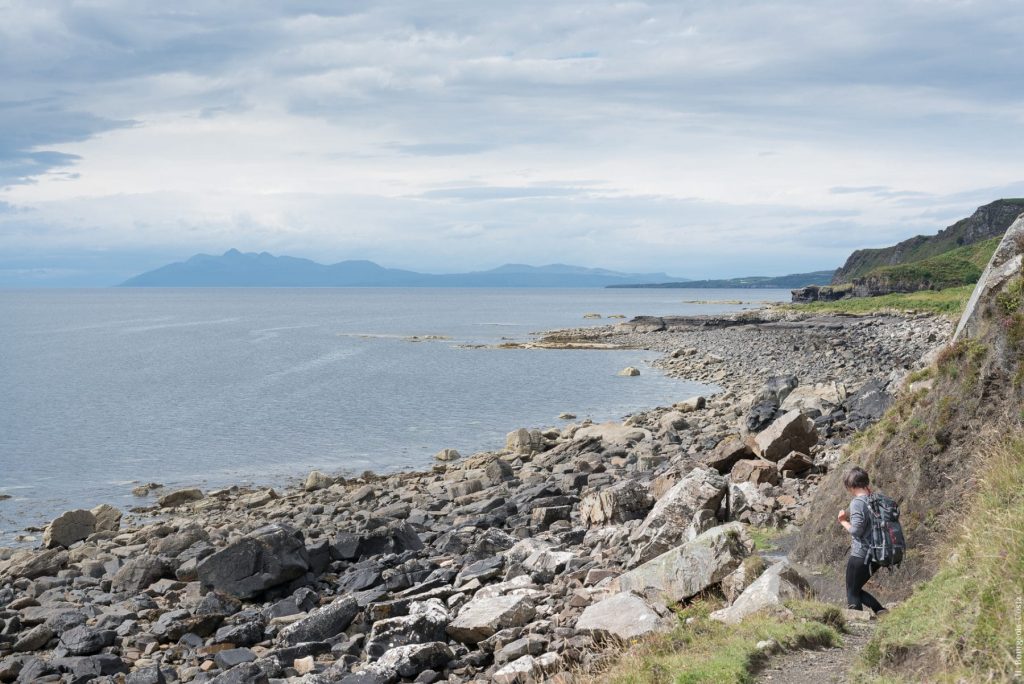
{"type": "Point", "coordinates": [242, 634]}
{"type": "Point", "coordinates": [270, 556]}
{"type": "Point", "coordinates": [228, 659]}
{"type": "Point", "coordinates": [84, 640]}
{"type": "Point", "coordinates": [139, 573]}
{"type": "Point", "coordinates": [322, 624]}
{"type": "Point", "coordinates": [426, 623]}
{"type": "Point", "coordinates": [869, 404]}
{"type": "Point", "coordinates": [247, 673]}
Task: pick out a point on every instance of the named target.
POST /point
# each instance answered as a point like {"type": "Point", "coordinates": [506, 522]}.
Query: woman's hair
{"type": "Point", "coordinates": [856, 478]}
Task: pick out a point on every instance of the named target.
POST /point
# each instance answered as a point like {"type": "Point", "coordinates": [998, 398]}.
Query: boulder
{"type": "Point", "coordinates": [317, 480]}
{"type": "Point", "coordinates": [323, 623]}
{"type": "Point", "coordinates": [767, 401]}
{"type": "Point", "coordinates": [179, 497]}
{"type": "Point", "coordinates": [426, 622]}
{"type": "Point", "coordinates": [795, 464]}
{"type": "Point", "coordinates": [34, 639]}
{"type": "Point", "coordinates": [613, 435]}
{"type": "Point", "coordinates": [523, 441]}
{"type": "Point", "coordinates": [482, 617]}
{"type": "Point", "coordinates": [692, 404]}
{"type": "Point", "coordinates": [266, 558]}
{"type": "Point", "coordinates": [83, 640]}
{"type": "Point", "coordinates": [629, 372]}
{"type": "Point", "coordinates": [665, 526]}
{"type": "Point", "coordinates": [69, 527]}
{"type": "Point", "coordinates": [867, 405]}
{"type": "Point", "coordinates": [777, 584]}
{"type": "Point", "coordinates": [792, 432]}
{"type": "Point", "coordinates": [409, 661]}
{"type": "Point", "coordinates": [691, 568]}
{"type": "Point", "coordinates": [626, 500]}
{"type": "Point", "coordinates": [726, 453]}
{"type": "Point", "coordinates": [756, 471]}
{"type": "Point", "coordinates": [447, 455]}
{"type": "Point", "coordinates": [32, 564]}
{"type": "Point", "coordinates": [824, 397]}
{"type": "Point", "coordinates": [108, 518]}
{"type": "Point", "coordinates": [622, 616]}
{"type": "Point", "coordinates": [140, 572]}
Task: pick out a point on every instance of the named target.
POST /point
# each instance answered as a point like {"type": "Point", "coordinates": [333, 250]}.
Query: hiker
{"type": "Point", "coordinates": [858, 567]}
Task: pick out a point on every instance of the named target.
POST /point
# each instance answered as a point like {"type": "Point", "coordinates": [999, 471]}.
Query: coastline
{"type": "Point", "coordinates": [536, 534]}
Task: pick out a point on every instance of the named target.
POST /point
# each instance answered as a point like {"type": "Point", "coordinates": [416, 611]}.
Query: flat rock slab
{"type": "Point", "coordinates": [482, 617]}
{"type": "Point", "coordinates": [777, 584]}
{"type": "Point", "coordinates": [623, 616]}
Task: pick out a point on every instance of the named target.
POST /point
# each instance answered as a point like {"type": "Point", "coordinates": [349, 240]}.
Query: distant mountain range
{"type": "Point", "coordinates": [238, 269]}
{"type": "Point", "coordinates": [751, 282]}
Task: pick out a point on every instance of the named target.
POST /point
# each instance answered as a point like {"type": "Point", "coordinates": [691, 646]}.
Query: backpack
{"type": "Point", "coordinates": [886, 544]}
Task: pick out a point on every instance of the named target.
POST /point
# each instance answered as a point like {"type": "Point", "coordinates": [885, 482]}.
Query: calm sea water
{"type": "Point", "coordinates": [105, 388]}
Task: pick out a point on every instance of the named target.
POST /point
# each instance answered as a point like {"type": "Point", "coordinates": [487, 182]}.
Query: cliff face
{"type": "Point", "coordinates": [987, 222]}
{"type": "Point", "coordinates": [926, 449]}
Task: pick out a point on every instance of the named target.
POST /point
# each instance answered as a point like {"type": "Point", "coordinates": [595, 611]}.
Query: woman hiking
{"type": "Point", "coordinates": [857, 523]}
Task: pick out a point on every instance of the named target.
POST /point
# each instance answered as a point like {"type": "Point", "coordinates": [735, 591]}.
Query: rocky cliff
{"type": "Point", "coordinates": [988, 221]}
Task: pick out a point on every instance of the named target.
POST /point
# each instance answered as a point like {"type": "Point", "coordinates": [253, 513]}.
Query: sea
{"type": "Point", "coordinates": [103, 389]}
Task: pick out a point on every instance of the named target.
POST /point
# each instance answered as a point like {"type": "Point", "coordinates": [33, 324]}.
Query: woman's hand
{"type": "Point", "coordinates": [843, 517]}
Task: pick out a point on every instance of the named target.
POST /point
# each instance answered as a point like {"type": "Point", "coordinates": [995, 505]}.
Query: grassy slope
{"type": "Point", "coordinates": [701, 650]}
{"type": "Point", "coordinates": [950, 302]}
{"type": "Point", "coordinates": [959, 626]}
{"type": "Point", "coordinates": [961, 266]}
{"type": "Point", "coordinates": [922, 247]}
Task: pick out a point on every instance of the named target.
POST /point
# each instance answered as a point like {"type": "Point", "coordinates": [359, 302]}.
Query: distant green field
{"type": "Point", "coordinates": [950, 302]}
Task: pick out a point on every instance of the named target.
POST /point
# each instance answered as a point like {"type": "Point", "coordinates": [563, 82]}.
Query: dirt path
{"type": "Point", "coordinates": [826, 666]}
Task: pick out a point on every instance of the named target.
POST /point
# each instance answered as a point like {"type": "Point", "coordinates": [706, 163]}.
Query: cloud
{"type": "Point", "coordinates": [750, 137]}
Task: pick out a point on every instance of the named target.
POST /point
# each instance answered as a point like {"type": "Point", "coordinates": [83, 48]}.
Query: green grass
{"type": "Point", "coordinates": [959, 626]}
{"type": "Point", "coordinates": [764, 537]}
{"type": "Point", "coordinates": [706, 651]}
{"type": "Point", "coordinates": [960, 266]}
{"type": "Point", "coordinates": [950, 302]}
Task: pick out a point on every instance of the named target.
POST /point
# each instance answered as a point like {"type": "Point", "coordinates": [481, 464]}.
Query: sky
{"type": "Point", "coordinates": [711, 138]}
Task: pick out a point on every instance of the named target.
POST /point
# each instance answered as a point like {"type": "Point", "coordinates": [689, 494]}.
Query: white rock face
{"type": "Point", "coordinates": [1005, 263]}
{"type": "Point", "coordinates": [777, 584]}
{"type": "Point", "coordinates": [614, 434]}
{"type": "Point", "coordinates": [623, 616]}
{"type": "Point", "coordinates": [691, 568]}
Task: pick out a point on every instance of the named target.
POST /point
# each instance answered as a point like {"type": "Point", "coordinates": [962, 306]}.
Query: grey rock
{"type": "Point", "coordinates": [84, 640]}
{"type": "Point", "coordinates": [231, 657]}
{"type": "Point", "coordinates": [407, 661]}
{"type": "Point", "coordinates": [626, 500]}
{"type": "Point", "coordinates": [691, 568]}
{"type": "Point", "coordinates": [138, 573]}
{"type": "Point", "coordinates": [425, 623]}
{"type": "Point", "coordinates": [665, 526]}
{"type": "Point", "coordinates": [179, 497]}
{"type": "Point", "coordinates": [108, 518]}
{"type": "Point", "coordinates": [482, 617]}
{"type": "Point", "coordinates": [322, 624]}
{"type": "Point", "coordinates": [623, 616]}
{"type": "Point", "coordinates": [266, 558]}
{"type": "Point", "coordinates": [776, 585]}
{"type": "Point", "coordinates": [794, 431]}
{"type": "Point", "coordinates": [69, 527]}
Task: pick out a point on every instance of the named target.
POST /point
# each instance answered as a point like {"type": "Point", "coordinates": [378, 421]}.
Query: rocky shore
{"type": "Point", "coordinates": [525, 565]}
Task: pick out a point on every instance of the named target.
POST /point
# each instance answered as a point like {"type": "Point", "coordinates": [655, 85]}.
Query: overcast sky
{"type": "Point", "coordinates": [704, 139]}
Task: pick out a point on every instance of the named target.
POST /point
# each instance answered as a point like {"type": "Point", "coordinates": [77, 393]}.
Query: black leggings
{"type": "Point", "coordinates": [857, 574]}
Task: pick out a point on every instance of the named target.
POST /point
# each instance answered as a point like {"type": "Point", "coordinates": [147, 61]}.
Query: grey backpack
{"type": "Point", "coordinates": [886, 544]}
